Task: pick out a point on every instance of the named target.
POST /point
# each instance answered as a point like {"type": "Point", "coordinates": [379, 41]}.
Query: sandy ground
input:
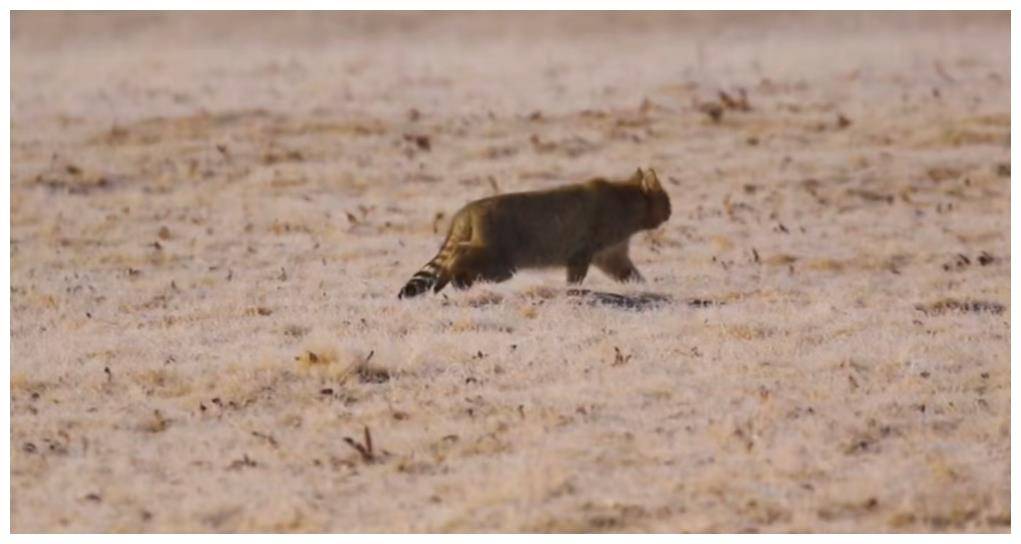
{"type": "Point", "coordinates": [212, 215]}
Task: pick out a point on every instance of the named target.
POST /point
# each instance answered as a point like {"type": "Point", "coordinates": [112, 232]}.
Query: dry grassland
{"type": "Point", "coordinates": [211, 216]}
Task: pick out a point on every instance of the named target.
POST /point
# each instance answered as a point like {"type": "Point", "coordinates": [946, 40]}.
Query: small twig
{"type": "Point", "coordinates": [943, 73]}
{"type": "Point", "coordinates": [364, 450]}
{"type": "Point", "coordinates": [619, 358]}
{"type": "Point", "coordinates": [267, 437]}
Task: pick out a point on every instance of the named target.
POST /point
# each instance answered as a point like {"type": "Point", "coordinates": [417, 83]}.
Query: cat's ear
{"type": "Point", "coordinates": [650, 182]}
{"type": "Point", "coordinates": [638, 176]}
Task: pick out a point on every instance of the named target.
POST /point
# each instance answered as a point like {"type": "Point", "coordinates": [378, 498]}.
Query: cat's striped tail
{"type": "Point", "coordinates": [434, 275]}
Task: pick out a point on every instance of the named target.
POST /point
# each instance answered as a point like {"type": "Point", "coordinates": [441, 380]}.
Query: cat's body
{"type": "Point", "coordinates": [573, 226]}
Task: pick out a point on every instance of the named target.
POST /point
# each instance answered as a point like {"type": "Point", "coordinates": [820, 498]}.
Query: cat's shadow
{"type": "Point", "coordinates": [636, 301]}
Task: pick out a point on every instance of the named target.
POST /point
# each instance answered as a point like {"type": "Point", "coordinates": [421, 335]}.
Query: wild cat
{"type": "Point", "coordinates": [574, 226]}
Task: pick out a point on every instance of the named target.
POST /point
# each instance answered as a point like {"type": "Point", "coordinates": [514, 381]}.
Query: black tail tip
{"type": "Point", "coordinates": [412, 289]}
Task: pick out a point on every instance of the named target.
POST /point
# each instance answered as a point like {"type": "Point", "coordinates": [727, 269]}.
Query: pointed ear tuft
{"type": "Point", "coordinates": [638, 176]}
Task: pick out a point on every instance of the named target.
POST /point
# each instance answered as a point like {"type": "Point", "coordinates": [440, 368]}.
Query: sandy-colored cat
{"type": "Point", "coordinates": [573, 226]}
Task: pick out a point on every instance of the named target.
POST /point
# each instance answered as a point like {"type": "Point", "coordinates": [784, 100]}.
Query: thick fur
{"type": "Point", "coordinates": [573, 226]}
